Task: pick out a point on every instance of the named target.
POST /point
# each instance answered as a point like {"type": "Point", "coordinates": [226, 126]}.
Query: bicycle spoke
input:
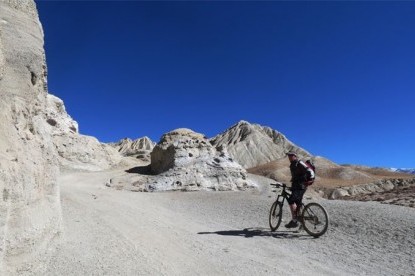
{"type": "Point", "coordinates": [275, 216]}
{"type": "Point", "coordinates": [315, 219]}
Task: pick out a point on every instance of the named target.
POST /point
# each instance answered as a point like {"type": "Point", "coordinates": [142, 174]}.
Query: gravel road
{"type": "Point", "coordinates": [116, 232]}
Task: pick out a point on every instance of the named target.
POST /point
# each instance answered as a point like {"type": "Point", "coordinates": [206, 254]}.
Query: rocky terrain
{"type": "Point", "coordinates": [67, 206]}
{"type": "Point", "coordinates": [349, 182]}
{"type": "Point", "coordinates": [393, 191]}
{"type": "Point", "coordinates": [140, 148]}
{"type": "Point", "coordinates": [185, 160]}
{"type": "Point", "coordinates": [116, 232]}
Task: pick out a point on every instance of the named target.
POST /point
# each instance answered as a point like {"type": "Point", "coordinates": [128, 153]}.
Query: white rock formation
{"type": "Point", "coordinates": [81, 152]}
{"type": "Point", "coordinates": [180, 148]}
{"type": "Point", "coordinates": [57, 118]}
{"type": "Point", "coordinates": [139, 148]}
{"type": "Point", "coordinates": [252, 145]}
{"type": "Point", "coordinates": [185, 160]}
{"type": "Point", "coordinates": [30, 213]}
{"type": "Point", "coordinates": [76, 151]}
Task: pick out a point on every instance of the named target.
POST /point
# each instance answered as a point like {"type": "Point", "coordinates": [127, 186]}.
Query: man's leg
{"type": "Point", "coordinates": [293, 208]}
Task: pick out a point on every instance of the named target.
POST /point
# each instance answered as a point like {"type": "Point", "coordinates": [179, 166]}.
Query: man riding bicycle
{"type": "Point", "coordinates": [301, 177]}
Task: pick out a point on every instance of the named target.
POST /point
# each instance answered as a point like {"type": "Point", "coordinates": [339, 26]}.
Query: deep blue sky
{"type": "Point", "coordinates": [337, 78]}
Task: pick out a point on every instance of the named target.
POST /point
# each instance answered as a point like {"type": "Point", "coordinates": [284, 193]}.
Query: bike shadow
{"type": "Point", "coordinates": [261, 232]}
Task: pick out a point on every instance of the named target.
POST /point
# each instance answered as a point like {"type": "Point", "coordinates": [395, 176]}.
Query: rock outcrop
{"type": "Point", "coordinates": [76, 151]}
{"type": "Point", "coordinates": [180, 148]}
{"type": "Point", "coordinates": [81, 152]}
{"type": "Point", "coordinates": [251, 145]}
{"type": "Point", "coordinates": [30, 212]}
{"type": "Point", "coordinates": [59, 121]}
{"type": "Point", "coordinates": [397, 191]}
{"type": "Point", "coordinates": [139, 148]}
{"type": "Point", "coordinates": [185, 160]}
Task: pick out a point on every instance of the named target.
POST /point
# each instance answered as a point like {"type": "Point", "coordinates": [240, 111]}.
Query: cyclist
{"type": "Point", "coordinates": [301, 177]}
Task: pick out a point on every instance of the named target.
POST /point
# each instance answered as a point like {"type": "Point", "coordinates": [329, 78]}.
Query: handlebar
{"type": "Point", "coordinates": [279, 185]}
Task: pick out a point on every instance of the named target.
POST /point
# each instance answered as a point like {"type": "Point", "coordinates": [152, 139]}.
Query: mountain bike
{"type": "Point", "coordinates": [313, 217]}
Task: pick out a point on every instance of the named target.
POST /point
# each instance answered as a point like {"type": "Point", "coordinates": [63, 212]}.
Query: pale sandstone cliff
{"type": "Point", "coordinates": [30, 212]}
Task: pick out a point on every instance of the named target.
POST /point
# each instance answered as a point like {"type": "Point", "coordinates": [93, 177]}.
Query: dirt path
{"type": "Point", "coordinates": [110, 232]}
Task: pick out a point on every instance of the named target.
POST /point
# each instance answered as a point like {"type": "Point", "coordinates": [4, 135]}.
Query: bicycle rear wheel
{"type": "Point", "coordinates": [275, 215]}
{"type": "Point", "coordinates": [315, 219]}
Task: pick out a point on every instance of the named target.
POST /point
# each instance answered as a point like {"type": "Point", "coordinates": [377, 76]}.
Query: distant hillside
{"type": "Point", "coordinates": [329, 174]}
{"type": "Point", "coordinates": [410, 171]}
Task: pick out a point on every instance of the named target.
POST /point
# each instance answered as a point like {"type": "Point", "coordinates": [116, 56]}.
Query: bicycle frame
{"type": "Point", "coordinates": [284, 193]}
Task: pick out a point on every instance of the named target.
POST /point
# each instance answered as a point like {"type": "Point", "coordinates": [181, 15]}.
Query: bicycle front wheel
{"type": "Point", "coordinates": [275, 215]}
{"type": "Point", "coordinates": [315, 219]}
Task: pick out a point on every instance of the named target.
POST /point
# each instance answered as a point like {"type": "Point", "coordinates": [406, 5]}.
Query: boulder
{"type": "Point", "coordinates": [180, 148]}
{"type": "Point", "coordinates": [339, 193]}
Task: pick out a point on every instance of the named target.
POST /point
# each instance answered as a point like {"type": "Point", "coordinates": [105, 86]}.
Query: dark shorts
{"type": "Point", "coordinates": [296, 196]}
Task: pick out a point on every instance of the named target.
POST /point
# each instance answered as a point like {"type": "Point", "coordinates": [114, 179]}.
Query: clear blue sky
{"type": "Point", "coordinates": [337, 78]}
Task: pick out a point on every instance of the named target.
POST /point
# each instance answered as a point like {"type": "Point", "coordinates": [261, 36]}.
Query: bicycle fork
{"type": "Point", "coordinates": [299, 216]}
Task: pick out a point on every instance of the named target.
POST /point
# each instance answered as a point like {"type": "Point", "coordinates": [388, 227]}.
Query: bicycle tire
{"type": "Point", "coordinates": [315, 219]}
{"type": "Point", "coordinates": [275, 216]}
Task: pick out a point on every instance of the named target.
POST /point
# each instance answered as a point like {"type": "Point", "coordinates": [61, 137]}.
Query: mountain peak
{"type": "Point", "coordinates": [242, 122]}
{"type": "Point", "coordinates": [253, 144]}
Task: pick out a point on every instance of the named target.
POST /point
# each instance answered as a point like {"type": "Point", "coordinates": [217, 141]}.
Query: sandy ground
{"type": "Point", "coordinates": [116, 232]}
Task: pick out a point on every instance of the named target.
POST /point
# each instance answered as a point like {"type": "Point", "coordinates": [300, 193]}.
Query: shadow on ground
{"type": "Point", "coordinates": [146, 170]}
{"type": "Point", "coordinates": [258, 232]}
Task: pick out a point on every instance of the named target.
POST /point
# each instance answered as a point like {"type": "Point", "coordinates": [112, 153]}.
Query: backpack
{"type": "Point", "coordinates": [310, 164]}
